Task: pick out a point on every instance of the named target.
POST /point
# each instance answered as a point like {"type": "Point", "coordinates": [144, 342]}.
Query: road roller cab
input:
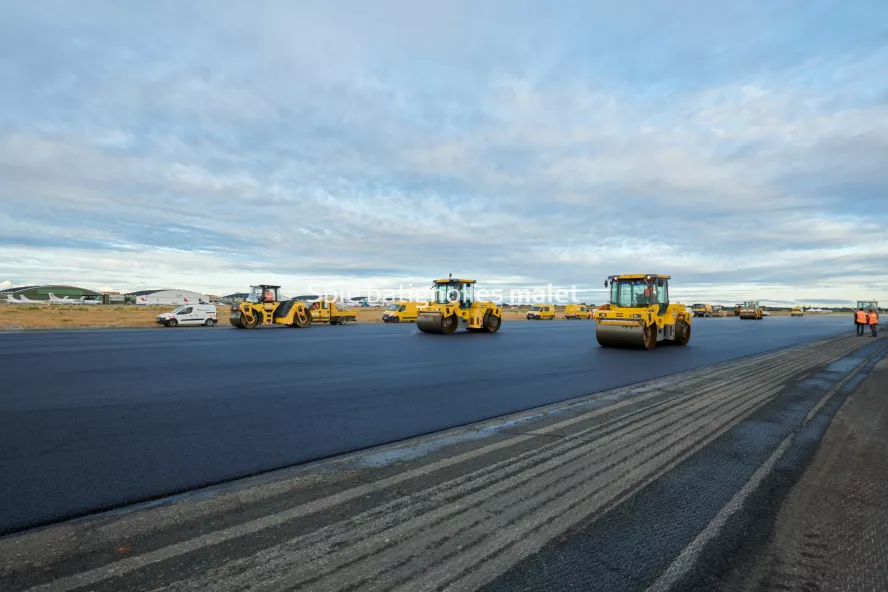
{"type": "Point", "coordinates": [639, 313]}
{"type": "Point", "coordinates": [453, 306]}
{"type": "Point", "coordinates": [263, 306]}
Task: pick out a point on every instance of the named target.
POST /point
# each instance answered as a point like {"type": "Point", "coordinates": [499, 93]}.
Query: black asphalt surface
{"type": "Point", "coordinates": [97, 419]}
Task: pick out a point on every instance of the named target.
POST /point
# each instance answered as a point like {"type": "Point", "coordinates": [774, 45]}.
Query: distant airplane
{"type": "Point", "coordinates": [22, 300]}
{"type": "Point", "coordinates": [53, 299]}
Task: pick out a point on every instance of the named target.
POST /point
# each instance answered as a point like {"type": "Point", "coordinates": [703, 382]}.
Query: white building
{"type": "Point", "coordinates": [168, 297]}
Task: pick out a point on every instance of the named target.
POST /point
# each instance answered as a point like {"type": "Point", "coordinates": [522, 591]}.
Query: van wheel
{"type": "Point", "coordinates": [210, 322]}
{"type": "Point", "coordinates": [172, 323]}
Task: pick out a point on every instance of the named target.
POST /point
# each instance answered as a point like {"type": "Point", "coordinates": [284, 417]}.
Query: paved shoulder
{"type": "Point", "coordinates": [831, 532]}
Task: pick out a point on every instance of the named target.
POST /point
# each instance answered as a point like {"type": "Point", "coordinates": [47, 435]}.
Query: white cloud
{"type": "Point", "coordinates": [372, 145]}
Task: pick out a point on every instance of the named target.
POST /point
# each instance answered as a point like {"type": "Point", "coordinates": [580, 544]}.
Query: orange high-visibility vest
{"type": "Point", "coordinates": [873, 318]}
{"type": "Point", "coordinates": [861, 317]}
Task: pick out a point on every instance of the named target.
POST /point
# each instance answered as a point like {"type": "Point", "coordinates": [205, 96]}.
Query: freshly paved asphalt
{"type": "Point", "coordinates": [97, 419]}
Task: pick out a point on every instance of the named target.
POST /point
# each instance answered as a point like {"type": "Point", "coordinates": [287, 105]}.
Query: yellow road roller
{"type": "Point", "coordinates": [639, 313]}
{"type": "Point", "coordinates": [751, 311]}
{"type": "Point", "coordinates": [453, 306]}
{"type": "Point", "coordinates": [263, 306]}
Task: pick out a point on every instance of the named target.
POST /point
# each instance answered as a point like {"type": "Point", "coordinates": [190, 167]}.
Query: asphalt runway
{"type": "Point", "coordinates": [92, 420]}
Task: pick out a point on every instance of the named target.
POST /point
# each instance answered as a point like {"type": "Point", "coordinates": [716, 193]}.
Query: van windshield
{"type": "Point", "coordinates": [535, 307]}
{"type": "Point", "coordinates": [393, 307]}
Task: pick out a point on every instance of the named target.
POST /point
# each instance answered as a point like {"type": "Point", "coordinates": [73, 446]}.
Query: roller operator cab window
{"type": "Point", "coordinates": [259, 294]}
{"type": "Point", "coordinates": [444, 293]}
{"type": "Point", "coordinates": [447, 293]}
{"type": "Point", "coordinates": [467, 295]}
{"type": "Point", "coordinates": [639, 293]}
{"type": "Point", "coordinates": [661, 291]}
{"type": "Point", "coordinates": [631, 294]}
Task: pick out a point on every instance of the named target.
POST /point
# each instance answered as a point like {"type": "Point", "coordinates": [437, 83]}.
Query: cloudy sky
{"type": "Point", "coordinates": [741, 147]}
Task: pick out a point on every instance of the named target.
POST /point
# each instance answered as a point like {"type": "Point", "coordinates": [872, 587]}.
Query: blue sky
{"type": "Point", "coordinates": [739, 146]}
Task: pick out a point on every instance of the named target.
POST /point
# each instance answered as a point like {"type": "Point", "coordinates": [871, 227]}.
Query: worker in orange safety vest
{"type": "Point", "coordinates": [861, 321]}
{"type": "Point", "coordinates": [873, 320]}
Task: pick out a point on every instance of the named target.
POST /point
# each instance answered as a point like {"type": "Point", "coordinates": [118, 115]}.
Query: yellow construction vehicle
{"type": "Point", "coordinates": [325, 310]}
{"type": "Point", "coordinates": [401, 312]}
{"type": "Point", "coordinates": [639, 313]}
{"type": "Point", "coordinates": [797, 311]}
{"type": "Point", "coordinates": [718, 311]}
{"type": "Point", "coordinates": [263, 306]}
{"type": "Point", "coordinates": [576, 311]}
{"type": "Point", "coordinates": [702, 310]}
{"type": "Point", "coordinates": [453, 306]}
{"type": "Point", "coordinates": [540, 312]}
{"type": "Point", "coordinates": [751, 311]}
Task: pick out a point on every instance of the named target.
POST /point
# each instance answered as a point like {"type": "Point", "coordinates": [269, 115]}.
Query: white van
{"type": "Point", "coordinates": [190, 314]}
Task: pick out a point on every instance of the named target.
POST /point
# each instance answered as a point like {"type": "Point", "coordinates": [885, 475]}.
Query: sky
{"type": "Point", "coordinates": [739, 146]}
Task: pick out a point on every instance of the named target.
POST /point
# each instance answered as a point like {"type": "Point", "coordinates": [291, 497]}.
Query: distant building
{"type": "Point", "coordinates": [43, 292]}
{"type": "Point", "coordinates": [167, 297]}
